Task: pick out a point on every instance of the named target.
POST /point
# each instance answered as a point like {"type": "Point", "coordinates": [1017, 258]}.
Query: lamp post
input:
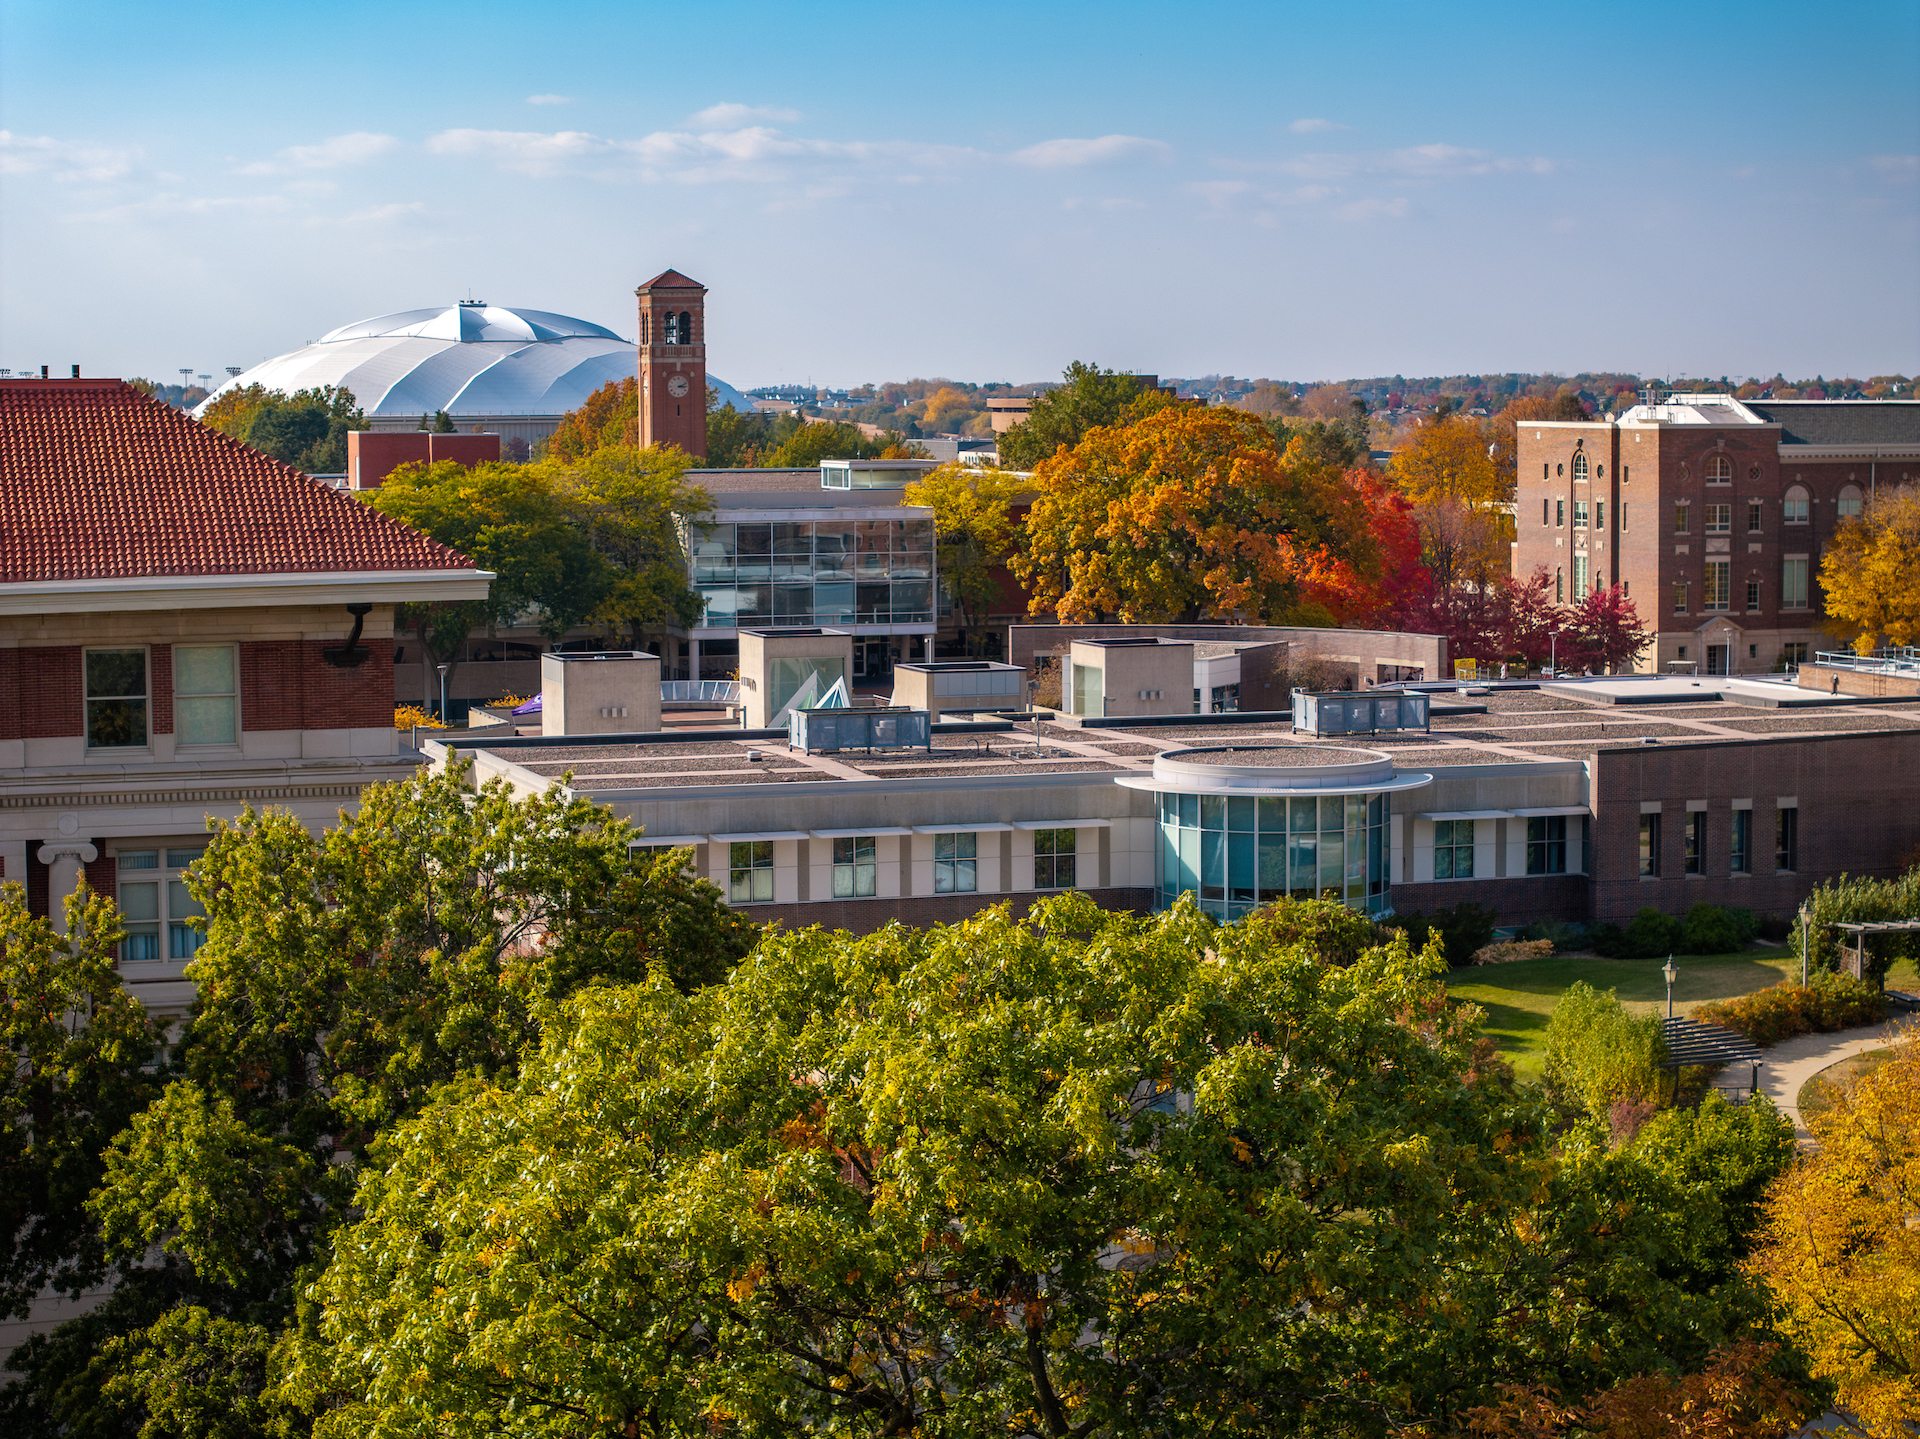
{"type": "Point", "coordinates": [443, 691]}
{"type": "Point", "coordinates": [1803, 946]}
{"type": "Point", "coordinates": [1672, 974]}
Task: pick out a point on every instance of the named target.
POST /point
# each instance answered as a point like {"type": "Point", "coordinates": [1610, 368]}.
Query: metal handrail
{"type": "Point", "coordinates": [710, 691]}
{"type": "Point", "coordinates": [1897, 660]}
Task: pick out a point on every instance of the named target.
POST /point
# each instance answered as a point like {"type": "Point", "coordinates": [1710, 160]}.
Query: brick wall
{"type": "Point", "coordinates": [11, 713]}
{"type": "Point", "coordinates": [864, 916]}
{"type": "Point", "coordinates": [1858, 798]}
{"type": "Point", "coordinates": [50, 702]}
{"type": "Point", "coordinates": [160, 686]}
{"type": "Point", "coordinates": [1516, 901]}
{"type": "Point", "coordinates": [285, 684]}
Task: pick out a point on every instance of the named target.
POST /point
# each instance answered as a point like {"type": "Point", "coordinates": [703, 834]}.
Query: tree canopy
{"type": "Point", "coordinates": [1090, 397]}
{"type": "Point", "coordinates": [345, 979]}
{"type": "Point", "coordinates": [307, 429]}
{"type": "Point", "coordinates": [973, 514]}
{"type": "Point", "coordinates": [1870, 573]}
{"type": "Point", "coordinates": [1191, 513]}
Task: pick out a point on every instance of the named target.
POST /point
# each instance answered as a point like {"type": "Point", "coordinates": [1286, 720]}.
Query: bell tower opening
{"type": "Point", "coordinates": [673, 363]}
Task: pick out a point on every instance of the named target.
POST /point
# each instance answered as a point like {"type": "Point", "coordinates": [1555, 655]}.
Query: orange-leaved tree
{"type": "Point", "coordinates": [611, 416]}
{"type": "Point", "coordinates": [1841, 1247]}
{"type": "Point", "coordinates": [1450, 474]}
{"type": "Point", "coordinates": [1189, 514]}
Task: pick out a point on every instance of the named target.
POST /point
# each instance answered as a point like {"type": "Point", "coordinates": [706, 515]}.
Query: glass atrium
{"type": "Point", "coordinates": [818, 572]}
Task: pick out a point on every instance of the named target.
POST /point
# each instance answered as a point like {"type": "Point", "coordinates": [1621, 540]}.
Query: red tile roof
{"type": "Point", "coordinates": [672, 280]}
{"type": "Point", "coordinates": [97, 481]}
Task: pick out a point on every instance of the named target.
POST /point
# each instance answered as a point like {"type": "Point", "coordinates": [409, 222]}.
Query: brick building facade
{"type": "Point", "coordinates": [1713, 515]}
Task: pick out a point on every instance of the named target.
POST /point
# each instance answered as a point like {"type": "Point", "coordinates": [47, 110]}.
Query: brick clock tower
{"type": "Point", "coordinates": [673, 363]}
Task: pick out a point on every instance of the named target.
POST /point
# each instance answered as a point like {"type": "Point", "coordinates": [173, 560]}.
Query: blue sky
{"type": "Point", "coordinates": [984, 192]}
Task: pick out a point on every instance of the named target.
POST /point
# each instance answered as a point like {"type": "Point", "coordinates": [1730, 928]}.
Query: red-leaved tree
{"type": "Point", "coordinates": [1603, 632]}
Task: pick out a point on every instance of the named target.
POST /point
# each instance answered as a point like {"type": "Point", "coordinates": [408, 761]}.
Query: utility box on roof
{"type": "Point", "coordinates": [615, 693]}
{"type": "Point", "coordinates": [1128, 677]}
{"type": "Point", "coordinates": [959, 686]}
{"type": "Point", "coordinates": [1367, 712]}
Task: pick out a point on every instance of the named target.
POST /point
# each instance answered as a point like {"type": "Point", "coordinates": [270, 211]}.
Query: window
{"type": "Point", "coordinates": [116, 698]}
{"type": "Point", "coordinates": [956, 863]}
{"type": "Point", "coordinates": [1719, 584]}
{"type": "Point", "coordinates": [1680, 604]}
{"type": "Point", "coordinates": [1719, 470]}
{"type": "Point", "coordinates": [1453, 849]}
{"type": "Point", "coordinates": [203, 695]}
{"type": "Point", "coordinates": [1626, 471]}
{"type": "Point", "coordinates": [1753, 595]}
{"type": "Point", "coordinates": [156, 904]}
{"type": "Point", "coordinates": [1053, 859]}
{"type": "Point", "coordinates": [1754, 513]}
{"type": "Point", "coordinates": [1599, 514]}
{"type": "Point", "coordinates": [1559, 587]}
{"type": "Point", "coordinates": [1740, 856]}
{"type": "Point", "coordinates": [1547, 844]}
{"type": "Point", "coordinates": [1683, 519]}
{"type": "Point", "coordinates": [1850, 502]}
{"type": "Point", "coordinates": [1579, 514]}
{"type": "Point", "coordinates": [1793, 584]}
{"type": "Point", "coordinates": [1579, 577]}
{"type": "Point", "coordinates": [1794, 652]}
{"type": "Point", "coordinates": [1786, 839]}
{"type": "Point", "coordinates": [1559, 513]}
{"type": "Point", "coordinates": [1599, 472]}
{"type": "Point", "coordinates": [1546, 469]}
{"type": "Point", "coordinates": [854, 869]}
{"type": "Point", "coordinates": [1719, 519]}
{"type": "Point", "coordinates": [1697, 842]}
{"type": "Point", "coordinates": [750, 872]}
{"type": "Point", "coordinates": [1794, 508]}
{"type": "Point", "coordinates": [1579, 468]}
{"type": "Point", "coordinates": [1546, 510]}
{"type": "Point", "coordinates": [1623, 514]}
{"type": "Point", "coordinates": [1649, 846]}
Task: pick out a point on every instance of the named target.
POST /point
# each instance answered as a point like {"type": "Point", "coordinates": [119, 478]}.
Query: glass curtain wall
{"type": "Point", "coordinates": [829, 572]}
{"type": "Point", "coordinates": [1235, 853]}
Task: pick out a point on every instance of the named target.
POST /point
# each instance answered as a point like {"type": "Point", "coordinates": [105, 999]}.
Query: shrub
{"type": "Point", "coordinates": [1565, 938]}
{"type": "Point", "coordinates": [1767, 1016]}
{"type": "Point", "coordinates": [1650, 934]}
{"type": "Point", "coordinates": [1598, 1053]}
{"type": "Point", "coordinates": [1609, 940]}
{"type": "Point", "coordinates": [1464, 929]}
{"type": "Point", "coordinates": [1774, 927]}
{"type": "Point", "coordinates": [1709, 929]}
{"type": "Point", "coordinates": [413, 717]}
{"type": "Point", "coordinates": [1507, 951]}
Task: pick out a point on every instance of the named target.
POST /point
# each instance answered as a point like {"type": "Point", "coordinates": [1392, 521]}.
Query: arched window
{"type": "Point", "coordinates": [1579, 468]}
{"type": "Point", "coordinates": [1546, 468]}
{"type": "Point", "coordinates": [1719, 470]}
{"type": "Point", "coordinates": [1559, 469]}
{"type": "Point", "coordinates": [1850, 501]}
{"type": "Point", "coordinates": [686, 328]}
{"type": "Point", "coordinates": [1794, 509]}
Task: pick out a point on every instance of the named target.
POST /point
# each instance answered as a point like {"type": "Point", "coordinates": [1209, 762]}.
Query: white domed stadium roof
{"type": "Point", "coordinates": [473, 360]}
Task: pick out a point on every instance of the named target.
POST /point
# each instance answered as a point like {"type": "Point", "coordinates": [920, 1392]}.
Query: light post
{"type": "Point", "coordinates": [1803, 946]}
{"type": "Point", "coordinates": [443, 691]}
{"type": "Point", "coordinates": [1672, 974]}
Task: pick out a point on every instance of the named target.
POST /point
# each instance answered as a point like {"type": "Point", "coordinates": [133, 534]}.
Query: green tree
{"type": "Point", "coordinates": [307, 429]}
{"type": "Point", "coordinates": [1598, 1053]}
{"type": "Point", "coordinates": [442, 423]}
{"type": "Point", "coordinates": [344, 978]}
{"type": "Point", "coordinates": [511, 520]}
{"type": "Point", "coordinates": [80, 1052]}
{"type": "Point", "coordinates": [1095, 1175]}
{"type": "Point", "coordinates": [809, 444]}
{"type": "Point", "coordinates": [1090, 397]}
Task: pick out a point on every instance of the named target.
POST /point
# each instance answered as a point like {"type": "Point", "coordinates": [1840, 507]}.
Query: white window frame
{"type": "Point", "coordinates": [1797, 507]}
{"type": "Point", "coordinates": [174, 941]}
{"type": "Point", "coordinates": [232, 695]}
{"type": "Point", "coordinates": [89, 699]}
{"type": "Point", "coordinates": [857, 875]}
{"type": "Point", "coordinates": [954, 866]}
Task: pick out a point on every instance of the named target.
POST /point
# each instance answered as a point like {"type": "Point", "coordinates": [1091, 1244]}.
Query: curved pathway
{"type": "Point", "coordinates": [1792, 1062]}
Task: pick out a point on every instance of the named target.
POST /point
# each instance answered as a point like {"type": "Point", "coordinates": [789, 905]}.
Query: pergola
{"type": "Point", "coordinates": [1689, 1042]}
{"type": "Point", "coordinates": [1853, 958]}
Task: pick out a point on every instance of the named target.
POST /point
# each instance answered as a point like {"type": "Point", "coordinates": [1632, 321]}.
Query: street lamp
{"type": "Point", "coordinates": [443, 691]}
{"type": "Point", "coordinates": [1672, 974]}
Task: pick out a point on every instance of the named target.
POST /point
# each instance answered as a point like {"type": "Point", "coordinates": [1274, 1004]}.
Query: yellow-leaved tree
{"type": "Point", "coordinates": [973, 515]}
{"type": "Point", "coordinates": [1451, 475]}
{"type": "Point", "coordinates": [1871, 571]}
{"type": "Point", "coordinates": [1841, 1246]}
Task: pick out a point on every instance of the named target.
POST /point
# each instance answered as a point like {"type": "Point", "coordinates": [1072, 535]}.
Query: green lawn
{"type": "Point", "coordinates": [1519, 997]}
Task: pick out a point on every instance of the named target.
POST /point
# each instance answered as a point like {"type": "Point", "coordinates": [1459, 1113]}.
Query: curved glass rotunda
{"type": "Point", "coordinates": [1242, 825]}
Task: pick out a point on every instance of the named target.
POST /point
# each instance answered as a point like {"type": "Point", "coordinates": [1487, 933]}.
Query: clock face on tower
{"type": "Point", "coordinates": [677, 387]}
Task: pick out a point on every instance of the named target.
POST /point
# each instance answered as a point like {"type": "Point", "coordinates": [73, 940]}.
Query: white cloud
{"type": "Point", "coordinates": [1413, 162]}
{"type": "Point", "coordinates": [351, 149]}
{"type": "Point", "coordinates": [166, 205]}
{"type": "Point", "coordinates": [380, 214]}
{"type": "Point", "coordinates": [1315, 127]}
{"type": "Point", "coordinates": [1395, 209]}
{"type": "Point", "coordinates": [65, 160]}
{"type": "Point", "coordinates": [549, 99]}
{"type": "Point", "coordinates": [1055, 154]}
{"type": "Point", "coordinates": [1899, 169]}
{"type": "Point", "coordinates": [731, 113]}
{"type": "Point", "coordinates": [1218, 193]}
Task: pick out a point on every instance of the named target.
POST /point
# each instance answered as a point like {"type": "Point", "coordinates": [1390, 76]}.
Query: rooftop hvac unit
{"type": "Point", "coordinates": [826, 731]}
{"type": "Point", "coordinates": [1373, 712]}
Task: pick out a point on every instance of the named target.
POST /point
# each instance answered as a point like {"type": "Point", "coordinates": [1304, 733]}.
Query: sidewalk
{"type": "Point", "coordinates": [1792, 1062]}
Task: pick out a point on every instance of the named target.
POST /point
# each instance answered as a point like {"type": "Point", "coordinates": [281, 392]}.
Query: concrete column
{"type": "Point", "coordinates": [693, 659]}
{"type": "Point", "coordinates": [66, 859]}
